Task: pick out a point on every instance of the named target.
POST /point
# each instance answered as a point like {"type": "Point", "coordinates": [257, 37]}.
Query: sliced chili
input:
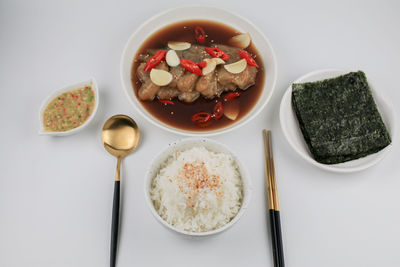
{"type": "Point", "coordinates": [155, 60]}
{"type": "Point", "coordinates": [164, 101]}
{"type": "Point", "coordinates": [218, 110]}
{"type": "Point", "coordinates": [250, 60]}
{"type": "Point", "coordinates": [201, 118]}
{"type": "Point", "coordinates": [191, 66]}
{"type": "Point", "coordinates": [231, 96]}
{"type": "Point", "coordinates": [200, 35]}
{"type": "Point", "coordinates": [216, 52]}
{"type": "Point", "coordinates": [202, 64]}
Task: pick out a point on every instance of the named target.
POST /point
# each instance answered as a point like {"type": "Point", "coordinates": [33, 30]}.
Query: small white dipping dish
{"type": "Point", "coordinates": [185, 144]}
{"type": "Point", "coordinates": [199, 13]}
{"type": "Point", "coordinates": [91, 82]}
{"type": "Point", "coordinates": [294, 136]}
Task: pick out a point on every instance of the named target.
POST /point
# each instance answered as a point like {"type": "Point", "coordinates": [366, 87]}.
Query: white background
{"type": "Point", "coordinates": [56, 193]}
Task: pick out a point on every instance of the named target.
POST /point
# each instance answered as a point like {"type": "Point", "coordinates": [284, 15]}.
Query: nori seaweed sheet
{"type": "Point", "coordinates": [339, 119]}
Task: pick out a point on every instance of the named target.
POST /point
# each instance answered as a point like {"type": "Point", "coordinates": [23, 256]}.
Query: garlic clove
{"type": "Point", "coordinates": [236, 67]}
{"type": "Point", "coordinates": [232, 109]}
{"type": "Point", "coordinates": [179, 45]}
{"type": "Point", "coordinates": [218, 61]}
{"type": "Point", "coordinates": [210, 66]}
{"type": "Point", "coordinates": [241, 41]}
{"type": "Point", "coordinates": [160, 77]}
{"type": "Point", "coordinates": [172, 58]}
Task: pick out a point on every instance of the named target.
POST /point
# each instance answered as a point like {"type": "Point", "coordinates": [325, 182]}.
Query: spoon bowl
{"type": "Point", "coordinates": [120, 135]}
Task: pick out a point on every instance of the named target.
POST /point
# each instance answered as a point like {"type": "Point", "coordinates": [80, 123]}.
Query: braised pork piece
{"type": "Point", "coordinates": [190, 75]}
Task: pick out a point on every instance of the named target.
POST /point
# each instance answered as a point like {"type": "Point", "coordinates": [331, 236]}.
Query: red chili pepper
{"type": "Point", "coordinates": [218, 110]}
{"type": "Point", "coordinates": [201, 118]}
{"type": "Point", "coordinates": [216, 52]}
{"type": "Point", "coordinates": [202, 64]}
{"type": "Point", "coordinates": [191, 66]}
{"type": "Point", "coordinates": [155, 60]}
{"type": "Point", "coordinates": [231, 96]}
{"type": "Point", "coordinates": [163, 101]}
{"type": "Point", "coordinates": [200, 35]}
{"type": "Point", "coordinates": [250, 60]}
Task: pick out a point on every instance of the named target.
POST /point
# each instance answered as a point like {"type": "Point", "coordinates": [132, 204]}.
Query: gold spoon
{"type": "Point", "coordinates": [120, 137]}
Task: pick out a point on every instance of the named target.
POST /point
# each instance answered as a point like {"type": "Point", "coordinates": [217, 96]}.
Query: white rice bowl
{"type": "Point", "coordinates": [197, 190]}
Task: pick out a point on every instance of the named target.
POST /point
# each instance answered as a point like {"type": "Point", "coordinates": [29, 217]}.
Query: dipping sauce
{"type": "Point", "coordinates": [179, 114]}
{"type": "Point", "coordinates": [69, 110]}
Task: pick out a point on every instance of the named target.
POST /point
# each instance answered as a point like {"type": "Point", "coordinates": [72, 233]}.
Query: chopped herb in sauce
{"type": "Point", "coordinates": [69, 110]}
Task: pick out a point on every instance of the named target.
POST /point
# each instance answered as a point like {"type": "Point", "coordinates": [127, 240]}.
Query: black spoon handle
{"type": "Point", "coordinates": [114, 224]}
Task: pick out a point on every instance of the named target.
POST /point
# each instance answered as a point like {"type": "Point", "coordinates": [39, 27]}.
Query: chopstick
{"type": "Point", "coordinates": [273, 203]}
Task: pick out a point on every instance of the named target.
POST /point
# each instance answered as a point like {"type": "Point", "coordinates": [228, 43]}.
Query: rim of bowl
{"type": "Point", "coordinates": [245, 176]}
{"type": "Point", "coordinates": [247, 118]}
{"type": "Point", "coordinates": [91, 81]}
{"type": "Point", "coordinates": [333, 168]}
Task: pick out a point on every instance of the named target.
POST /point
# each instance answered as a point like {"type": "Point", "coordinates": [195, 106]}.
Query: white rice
{"type": "Point", "coordinates": [197, 190]}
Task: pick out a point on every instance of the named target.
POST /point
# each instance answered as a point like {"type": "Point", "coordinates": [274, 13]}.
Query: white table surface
{"type": "Point", "coordinates": [56, 193]}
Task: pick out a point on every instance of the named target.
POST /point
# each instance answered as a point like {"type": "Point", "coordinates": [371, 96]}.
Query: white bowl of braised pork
{"type": "Point", "coordinates": [198, 70]}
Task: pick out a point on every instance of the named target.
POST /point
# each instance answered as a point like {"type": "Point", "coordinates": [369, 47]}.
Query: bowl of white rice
{"type": "Point", "coordinates": [197, 187]}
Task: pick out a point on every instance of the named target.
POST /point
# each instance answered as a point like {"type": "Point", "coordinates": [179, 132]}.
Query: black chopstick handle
{"type": "Point", "coordinates": [278, 230]}
{"type": "Point", "coordinates": [114, 224]}
{"type": "Point", "coordinates": [274, 238]}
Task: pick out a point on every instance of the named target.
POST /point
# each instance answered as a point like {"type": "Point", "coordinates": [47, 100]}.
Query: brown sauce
{"type": "Point", "coordinates": [179, 115]}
